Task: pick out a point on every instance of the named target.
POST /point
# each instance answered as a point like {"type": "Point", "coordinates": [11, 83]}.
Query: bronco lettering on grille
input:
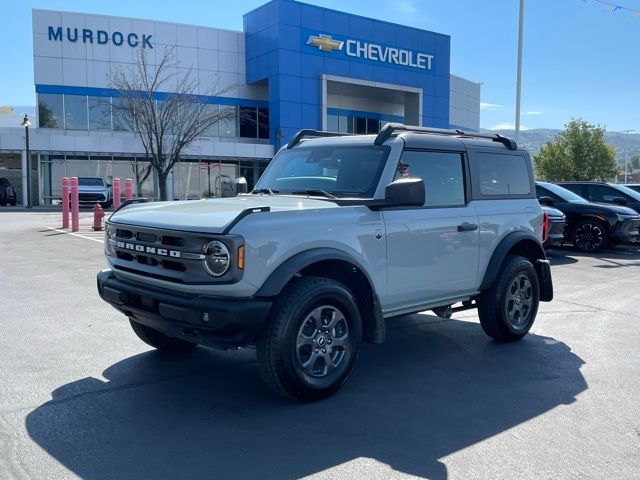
{"type": "Point", "coordinates": [162, 252]}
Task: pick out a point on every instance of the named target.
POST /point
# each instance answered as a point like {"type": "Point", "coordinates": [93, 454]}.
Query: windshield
{"type": "Point", "coordinates": [563, 193]}
{"type": "Point", "coordinates": [629, 191]}
{"type": "Point", "coordinates": [91, 181]}
{"type": "Point", "coordinates": [343, 171]}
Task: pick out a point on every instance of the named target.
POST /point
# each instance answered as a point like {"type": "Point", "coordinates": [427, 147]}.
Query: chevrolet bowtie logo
{"type": "Point", "coordinates": [325, 43]}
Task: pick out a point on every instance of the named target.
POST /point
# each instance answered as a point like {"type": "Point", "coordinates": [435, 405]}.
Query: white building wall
{"type": "Point", "coordinates": [464, 103]}
{"type": "Point", "coordinates": [216, 56]}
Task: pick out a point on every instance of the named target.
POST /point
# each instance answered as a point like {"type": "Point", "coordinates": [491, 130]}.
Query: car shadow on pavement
{"type": "Point", "coordinates": [435, 387]}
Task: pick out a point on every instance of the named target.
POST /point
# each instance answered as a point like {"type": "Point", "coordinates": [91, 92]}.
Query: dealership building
{"type": "Point", "coordinates": [293, 66]}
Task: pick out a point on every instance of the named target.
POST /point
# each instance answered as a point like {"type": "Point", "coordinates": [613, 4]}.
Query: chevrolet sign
{"type": "Point", "coordinates": [372, 51]}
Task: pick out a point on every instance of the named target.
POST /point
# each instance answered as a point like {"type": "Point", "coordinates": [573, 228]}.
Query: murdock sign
{"type": "Point", "coordinates": [100, 37]}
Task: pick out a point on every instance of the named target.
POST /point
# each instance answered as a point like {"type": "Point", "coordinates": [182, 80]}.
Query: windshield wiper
{"type": "Point", "coordinates": [268, 191]}
{"type": "Point", "coordinates": [313, 191]}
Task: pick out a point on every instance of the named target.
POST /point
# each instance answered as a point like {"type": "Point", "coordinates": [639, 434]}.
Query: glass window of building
{"type": "Point", "coordinates": [263, 123]}
{"type": "Point", "coordinates": [211, 111]}
{"type": "Point", "coordinates": [50, 110]}
{"type": "Point", "coordinates": [75, 112]}
{"type": "Point", "coordinates": [99, 113]}
{"type": "Point", "coordinates": [228, 120]}
{"type": "Point", "coordinates": [373, 125]}
{"type": "Point", "coordinates": [121, 122]}
{"type": "Point", "coordinates": [361, 125]}
{"type": "Point", "coordinates": [333, 124]}
{"type": "Point", "coordinates": [248, 119]}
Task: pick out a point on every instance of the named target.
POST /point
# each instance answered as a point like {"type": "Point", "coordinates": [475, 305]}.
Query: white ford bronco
{"type": "Point", "coordinates": [340, 233]}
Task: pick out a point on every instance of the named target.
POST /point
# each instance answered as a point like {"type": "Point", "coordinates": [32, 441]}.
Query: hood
{"type": "Point", "coordinates": [616, 208]}
{"type": "Point", "coordinates": [552, 212]}
{"type": "Point", "coordinates": [209, 216]}
{"type": "Point", "coordinates": [91, 188]}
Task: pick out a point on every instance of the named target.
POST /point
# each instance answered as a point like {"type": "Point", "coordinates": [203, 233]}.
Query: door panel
{"type": "Point", "coordinates": [427, 257]}
{"type": "Point", "coordinates": [432, 251]}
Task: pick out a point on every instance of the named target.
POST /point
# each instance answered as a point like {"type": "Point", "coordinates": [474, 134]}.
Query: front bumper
{"type": "Point", "coordinates": [627, 230]}
{"type": "Point", "coordinates": [216, 322]}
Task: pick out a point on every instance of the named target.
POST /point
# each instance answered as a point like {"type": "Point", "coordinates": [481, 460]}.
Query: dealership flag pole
{"type": "Point", "coordinates": [519, 77]}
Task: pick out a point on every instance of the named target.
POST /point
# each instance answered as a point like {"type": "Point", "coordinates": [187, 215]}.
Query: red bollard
{"type": "Point", "coordinates": [128, 189]}
{"type": "Point", "coordinates": [98, 215]}
{"type": "Point", "coordinates": [65, 202]}
{"type": "Point", "coordinates": [75, 205]}
{"type": "Point", "coordinates": [116, 193]}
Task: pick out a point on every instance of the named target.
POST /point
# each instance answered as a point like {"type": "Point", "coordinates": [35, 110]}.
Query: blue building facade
{"type": "Point", "coordinates": [304, 52]}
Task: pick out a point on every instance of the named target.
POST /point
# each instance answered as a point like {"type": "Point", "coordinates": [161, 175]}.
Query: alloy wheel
{"type": "Point", "coordinates": [323, 343]}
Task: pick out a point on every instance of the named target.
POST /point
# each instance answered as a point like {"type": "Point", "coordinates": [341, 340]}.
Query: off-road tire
{"type": "Point", "coordinates": [496, 302]}
{"type": "Point", "coordinates": [278, 346]}
{"type": "Point", "coordinates": [158, 339]}
{"type": "Point", "coordinates": [596, 229]}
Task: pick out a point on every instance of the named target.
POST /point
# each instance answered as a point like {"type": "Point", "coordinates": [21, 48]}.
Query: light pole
{"type": "Point", "coordinates": [26, 124]}
{"type": "Point", "coordinates": [626, 155]}
{"type": "Point", "coordinates": [519, 75]}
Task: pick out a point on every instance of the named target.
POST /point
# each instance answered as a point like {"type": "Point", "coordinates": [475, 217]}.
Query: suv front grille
{"type": "Point", "coordinates": [154, 253]}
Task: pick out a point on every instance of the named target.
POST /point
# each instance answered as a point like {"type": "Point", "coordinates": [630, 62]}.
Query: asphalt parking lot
{"type": "Point", "coordinates": [81, 396]}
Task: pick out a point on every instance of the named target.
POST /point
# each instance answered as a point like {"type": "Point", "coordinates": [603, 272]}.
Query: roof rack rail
{"type": "Point", "coordinates": [307, 132]}
{"type": "Point", "coordinates": [390, 128]}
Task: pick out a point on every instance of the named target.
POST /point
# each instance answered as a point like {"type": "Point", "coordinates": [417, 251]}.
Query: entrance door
{"type": "Point", "coordinates": [432, 251]}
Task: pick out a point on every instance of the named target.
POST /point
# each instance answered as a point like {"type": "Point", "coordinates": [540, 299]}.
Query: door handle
{"type": "Point", "coordinates": [467, 227]}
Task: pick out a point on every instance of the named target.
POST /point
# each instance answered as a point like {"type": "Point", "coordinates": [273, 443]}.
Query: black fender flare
{"type": "Point", "coordinates": [537, 257]}
{"type": "Point", "coordinates": [374, 331]}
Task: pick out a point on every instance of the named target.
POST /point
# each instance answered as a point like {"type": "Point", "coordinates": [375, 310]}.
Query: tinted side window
{"type": "Point", "coordinates": [602, 193]}
{"type": "Point", "coordinates": [442, 173]}
{"type": "Point", "coordinates": [503, 174]}
{"type": "Point", "coordinates": [543, 192]}
{"type": "Point", "coordinates": [577, 189]}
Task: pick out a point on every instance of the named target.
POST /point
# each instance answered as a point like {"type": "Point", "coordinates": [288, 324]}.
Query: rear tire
{"type": "Point", "coordinates": [508, 308]}
{"type": "Point", "coordinates": [158, 339]}
{"type": "Point", "coordinates": [590, 236]}
{"type": "Point", "coordinates": [307, 349]}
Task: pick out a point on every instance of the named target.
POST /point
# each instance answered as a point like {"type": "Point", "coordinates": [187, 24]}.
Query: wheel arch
{"type": "Point", "coordinates": [525, 245]}
{"type": "Point", "coordinates": [337, 265]}
{"type": "Point", "coordinates": [594, 216]}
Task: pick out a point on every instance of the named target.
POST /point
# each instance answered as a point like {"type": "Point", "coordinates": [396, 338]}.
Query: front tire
{"type": "Point", "coordinates": [308, 348]}
{"type": "Point", "coordinates": [508, 308]}
{"type": "Point", "coordinates": [590, 236]}
{"type": "Point", "coordinates": [158, 339]}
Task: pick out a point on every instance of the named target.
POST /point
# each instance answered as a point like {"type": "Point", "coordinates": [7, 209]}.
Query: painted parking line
{"type": "Point", "coordinates": [99, 240]}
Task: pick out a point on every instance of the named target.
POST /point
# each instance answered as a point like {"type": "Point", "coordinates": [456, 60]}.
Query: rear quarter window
{"type": "Point", "coordinates": [500, 175]}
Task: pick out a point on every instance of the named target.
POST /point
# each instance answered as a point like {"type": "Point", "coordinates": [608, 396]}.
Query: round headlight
{"type": "Point", "coordinates": [217, 258]}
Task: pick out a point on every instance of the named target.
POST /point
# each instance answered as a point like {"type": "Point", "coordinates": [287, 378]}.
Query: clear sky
{"type": "Point", "coordinates": [580, 58]}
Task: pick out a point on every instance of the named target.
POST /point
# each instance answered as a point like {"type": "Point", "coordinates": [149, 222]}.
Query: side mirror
{"type": "Point", "coordinates": [241, 185]}
{"type": "Point", "coordinates": [405, 191]}
{"type": "Point", "coordinates": [548, 201]}
{"type": "Point", "coordinates": [620, 201]}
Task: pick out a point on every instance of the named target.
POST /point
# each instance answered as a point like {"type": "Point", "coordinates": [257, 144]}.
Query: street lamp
{"type": "Point", "coordinates": [626, 155]}
{"type": "Point", "coordinates": [519, 74]}
{"type": "Point", "coordinates": [26, 124]}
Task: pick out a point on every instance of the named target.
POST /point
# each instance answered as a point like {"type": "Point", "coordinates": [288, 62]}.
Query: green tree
{"type": "Point", "coordinates": [579, 152]}
{"type": "Point", "coordinates": [634, 163]}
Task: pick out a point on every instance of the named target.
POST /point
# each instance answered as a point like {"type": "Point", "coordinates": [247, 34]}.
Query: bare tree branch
{"type": "Point", "coordinates": [164, 109]}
